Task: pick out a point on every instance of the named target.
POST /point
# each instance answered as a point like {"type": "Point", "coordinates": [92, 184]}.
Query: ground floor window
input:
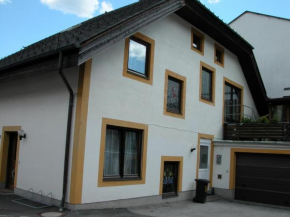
{"type": "Point", "coordinates": [122, 153]}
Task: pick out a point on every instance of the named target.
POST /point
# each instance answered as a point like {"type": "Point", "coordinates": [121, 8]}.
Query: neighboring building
{"type": "Point", "coordinates": [152, 84]}
{"type": "Point", "coordinates": [270, 37]}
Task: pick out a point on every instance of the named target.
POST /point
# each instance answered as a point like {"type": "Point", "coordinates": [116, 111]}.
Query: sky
{"type": "Point", "coordinates": [24, 22]}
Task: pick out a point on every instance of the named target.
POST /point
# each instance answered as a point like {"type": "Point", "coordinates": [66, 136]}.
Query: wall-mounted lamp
{"type": "Point", "coordinates": [193, 149]}
{"type": "Point", "coordinates": [21, 134]}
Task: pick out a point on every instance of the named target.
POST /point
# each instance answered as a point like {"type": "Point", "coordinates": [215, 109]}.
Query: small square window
{"type": "Point", "coordinates": [207, 84]}
{"type": "Point", "coordinates": [139, 58]}
{"type": "Point", "coordinates": [219, 55]}
{"type": "Point", "coordinates": [174, 99]}
{"type": "Point", "coordinates": [197, 41]}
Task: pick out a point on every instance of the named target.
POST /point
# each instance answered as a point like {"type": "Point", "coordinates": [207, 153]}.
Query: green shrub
{"type": "Point", "coordinates": [246, 120]}
{"type": "Point", "coordinates": [263, 119]}
{"type": "Point", "coordinates": [275, 120]}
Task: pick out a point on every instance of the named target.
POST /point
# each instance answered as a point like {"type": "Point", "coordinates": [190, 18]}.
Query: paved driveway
{"type": "Point", "coordinates": [219, 208]}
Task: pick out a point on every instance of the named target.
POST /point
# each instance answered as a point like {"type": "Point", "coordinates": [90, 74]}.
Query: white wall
{"type": "Point", "coordinates": [270, 38]}
{"type": "Point", "coordinates": [117, 97]}
{"type": "Point", "coordinates": [39, 104]}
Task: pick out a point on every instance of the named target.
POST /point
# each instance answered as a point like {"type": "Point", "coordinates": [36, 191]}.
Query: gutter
{"type": "Point", "coordinates": [68, 130]}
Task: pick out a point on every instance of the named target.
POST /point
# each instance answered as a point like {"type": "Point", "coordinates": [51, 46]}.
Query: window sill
{"type": "Point", "coordinates": [120, 179]}
{"type": "Point", "coordinates": [206, 101]}
{"type": "Point", "coordinates": [197, 51]}
{"type": "Point", "coordinates": [138, 75]}
{"type": "Point", "coordinates": [219, 63]}
{"type": "Point", "coordinates": [174, 114]}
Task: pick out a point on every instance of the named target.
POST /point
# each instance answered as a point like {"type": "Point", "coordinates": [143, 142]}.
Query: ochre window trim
{"type": "Point", "coordinates": [226, 80]}
{"type": "Point", "coordinates": [209, 68]}
{"type": "Point", "coordinates": [168, 74]}
{"type": "Point", "coordinates": [180, 171]}
{"type": "Point", "coordinates": [221, 49]}
{"type": "Point", "coordinates": [201, 36]}
{"type": "Point", "coordinates": [126, 73]}
{"type": "Point", "coordinates": [125, 124]}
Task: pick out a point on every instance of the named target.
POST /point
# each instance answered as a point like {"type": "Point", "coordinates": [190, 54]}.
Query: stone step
{"type": "Point", "coordinates": [214, 197]}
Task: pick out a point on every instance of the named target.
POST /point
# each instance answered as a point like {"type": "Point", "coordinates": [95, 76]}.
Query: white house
{"type": "Point", "coordinates": [269, 36]}
{"type": "Point", "coordinates": [151, 85]}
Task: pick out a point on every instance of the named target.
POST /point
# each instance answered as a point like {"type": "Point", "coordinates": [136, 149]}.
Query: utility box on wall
{"type": "Point", "coordinates": [218, 159]}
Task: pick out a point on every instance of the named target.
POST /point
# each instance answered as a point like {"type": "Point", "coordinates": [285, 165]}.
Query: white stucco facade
{"type": "Point", "coordinates": [39, 104]}
{"type": "Point", "coordinates": [270, 38]}
{"type": "Point", "coordinates": [117, 97]}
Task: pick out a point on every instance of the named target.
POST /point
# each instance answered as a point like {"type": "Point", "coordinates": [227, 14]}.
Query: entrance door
{"type": "Point", "coordinates": [170, 179]}
{"type": "Point", "coordinates": [11, 160]}
{"type": "Point", "coordinates": [204, 159]}
{"type": "Point", "coordinates": [232, 103]}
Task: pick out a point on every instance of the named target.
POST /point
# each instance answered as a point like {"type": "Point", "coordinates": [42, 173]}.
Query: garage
{"type": "Point", "coordinates": [263, 178]}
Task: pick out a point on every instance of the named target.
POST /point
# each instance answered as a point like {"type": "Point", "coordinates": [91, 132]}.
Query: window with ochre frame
{"type": "Point", "coordinates": [197, 41]}
{"type": "Point", "coordinates": [219, 55]}
{"type": "Point", "coordinates": [207, 84]}
{"type": "Point", "coordinates": [139, 58]}
{"type": "Point", "coordinates": [123, 153]}
{"type": "Point", "coordinates": [174, 95]}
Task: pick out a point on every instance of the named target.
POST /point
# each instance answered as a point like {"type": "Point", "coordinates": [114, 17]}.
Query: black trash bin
{"type": "Point", "coordinates": [201, 190]}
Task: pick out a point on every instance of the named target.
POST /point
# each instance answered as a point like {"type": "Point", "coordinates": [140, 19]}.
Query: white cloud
{"type": "Point", "coordinates": [81, 8]}
{"type": "Point", "coordinates": [5, 1]}
{"type": "Point", "coordinates": [106, 7]}
{"type": "Point", "coordinates": [138, 51]}
{"type": "Point", "coordinates": [213, 1]}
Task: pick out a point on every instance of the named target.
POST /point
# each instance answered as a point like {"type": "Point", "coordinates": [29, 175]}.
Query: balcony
{"type": "Point", "coordinates": [257, 132]}
{"type": "Point", "coordinates": [235, 130]}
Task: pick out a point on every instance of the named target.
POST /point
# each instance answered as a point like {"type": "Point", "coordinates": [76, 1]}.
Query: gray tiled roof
{"type": "Point", "coordinates": [80, 33]}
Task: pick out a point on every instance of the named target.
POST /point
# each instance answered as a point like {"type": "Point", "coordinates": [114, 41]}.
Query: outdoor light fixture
{"type": "Point", "coordinates": [193, 149]}
{"type": "Point", "coordinates": [21, 134]}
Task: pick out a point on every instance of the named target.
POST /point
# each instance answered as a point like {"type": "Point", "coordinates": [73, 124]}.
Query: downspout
{"type": "Point", "coordinates": [68, 130]}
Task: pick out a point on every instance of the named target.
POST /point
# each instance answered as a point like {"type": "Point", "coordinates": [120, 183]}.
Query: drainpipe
{"type": "Point", "coordinates": [68, 130]}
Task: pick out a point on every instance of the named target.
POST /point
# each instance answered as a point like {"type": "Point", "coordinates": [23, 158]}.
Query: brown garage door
{"type": "Point", "coordinates": [263, 178]}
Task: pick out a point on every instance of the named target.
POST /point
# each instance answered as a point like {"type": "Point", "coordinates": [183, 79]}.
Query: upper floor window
{"type": "Point", "coordinates": [233, 101]}
{"type": "Point", "coordinates": [207, 84]}
{"type": "Point", "coordinates": [139, 58]}
{"type": "Point", "coordinates": [174, 99]}
{"type": "Point", "coordinates": [219, 55]}
{"type": "Point", "coordinates": [174, 95]}
{"type": "Point", "coordinates": [197, 41]}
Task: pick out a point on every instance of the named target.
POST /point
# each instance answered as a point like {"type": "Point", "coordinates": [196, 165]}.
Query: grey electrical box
{"type": "Point", "coordinates": [219, 159]}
